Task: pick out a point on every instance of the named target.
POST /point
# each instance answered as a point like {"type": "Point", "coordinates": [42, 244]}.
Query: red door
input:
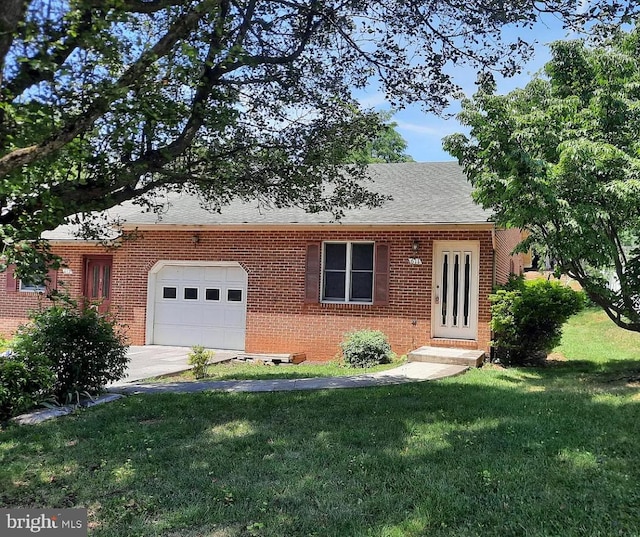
{"type": "Point", "coordinates": [97, 281]}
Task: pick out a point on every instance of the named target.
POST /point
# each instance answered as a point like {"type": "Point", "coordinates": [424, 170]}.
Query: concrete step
{"type": "Point", "coordinates": [446, 355]}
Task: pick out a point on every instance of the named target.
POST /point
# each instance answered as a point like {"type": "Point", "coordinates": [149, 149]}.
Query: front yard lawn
{"type": "Point", "coordinates": [495, 452]}
{"type": "Point", "coordinates": [236, 370]}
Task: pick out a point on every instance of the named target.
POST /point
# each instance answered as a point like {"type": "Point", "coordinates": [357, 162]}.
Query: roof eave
{"type": "Point", "coordinates": [400, 226]}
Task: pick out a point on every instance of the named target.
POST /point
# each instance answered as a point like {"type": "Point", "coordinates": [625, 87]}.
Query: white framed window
{"type": "Point", "coordinates": [234, 295]}
{"type": "Point", "coordinates": [29, 287]}
{"type": "Point", "coordinates": [347, 272]}
{"type": "Point", "coordinates": [170, 293]}
{"type": "Point", "coordinates": [190, 293]}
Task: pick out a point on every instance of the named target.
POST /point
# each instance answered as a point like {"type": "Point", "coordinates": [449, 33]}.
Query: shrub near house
{"type": "Point", "coordinates": [527, 319]}
{"type": "Point", "coordinates": [63, 354]}
{"type": "Point", "coordinates": [366, 348]}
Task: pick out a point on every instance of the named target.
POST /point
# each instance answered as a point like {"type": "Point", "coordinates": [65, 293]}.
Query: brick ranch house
{"type": "Point", "coordinates": [419, 268]}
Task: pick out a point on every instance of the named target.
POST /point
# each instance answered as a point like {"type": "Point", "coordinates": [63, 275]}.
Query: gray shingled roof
{"type": "Point", "coordinates": [422, 193]}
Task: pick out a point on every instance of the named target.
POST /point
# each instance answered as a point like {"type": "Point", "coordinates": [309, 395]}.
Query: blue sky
{"type": "Point", "coordinates": [424, 132]}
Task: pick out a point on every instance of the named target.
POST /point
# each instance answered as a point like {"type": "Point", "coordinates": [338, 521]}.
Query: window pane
{"type": "Point", "coordinates": [234, 295]}
{"type": "Point", "coordinates": [456, 284]}
{"type": "Point", "coordinates": [191, 293]}
{"type": "Point", "coordinates": [335, 256]}
{"type": "Point", "coordinates": [445, 288]}
{"type": "Point", "coordinates": [106, 281]}
{"type": "Point", "coordinates": [96, 281]}
{"type": "Point", "coordinates": [212, 294]}
{"type": "Point", "coordinates": [362, 256]}
{"type": "Point", "coordinates": [467, 287]}
{"type": "Point", "coordinates": [362, 286]}
{"type": "Point", "coordinates": [334, 286]}
{"type": "Point", "coordinates": [169, 292]}
{"type": "Point", "coordinates": [30, 287]}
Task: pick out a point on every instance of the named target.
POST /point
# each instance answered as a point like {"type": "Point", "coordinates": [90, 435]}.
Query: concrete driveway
{"type": "Point", "coordinates": [150, 361]}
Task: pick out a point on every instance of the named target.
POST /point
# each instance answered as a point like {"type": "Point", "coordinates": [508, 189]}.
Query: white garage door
{"type": "Point", "coordinates": [200, 305]}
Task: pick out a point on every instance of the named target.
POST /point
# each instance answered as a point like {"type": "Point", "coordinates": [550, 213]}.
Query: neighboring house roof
{"type": "Point", "coordinates": [422, 193]}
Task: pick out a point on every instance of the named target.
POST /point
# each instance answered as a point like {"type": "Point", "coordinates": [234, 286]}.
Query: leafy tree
{"type": "Point", "coordinates": [561, 158]}
{"type": "Point", "coordinates": [387, 146]}
{"type": "Point", "coordinates": [103, 101]}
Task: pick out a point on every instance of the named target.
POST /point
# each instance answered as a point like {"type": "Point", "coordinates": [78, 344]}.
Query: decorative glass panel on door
{"type": "Point", "coordinates": [445, 287]}
{"type": "Point", "coordinates": [456, 288]}
{"type": "Point", "coordinates": [467, 288]}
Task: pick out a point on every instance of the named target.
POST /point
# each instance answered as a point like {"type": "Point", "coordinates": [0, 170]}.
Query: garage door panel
{"type": "Point", "coordinates": [215, 317]}
{"type": "Point", "coordinates": [216, 339]}
{"type": "Point", "coordinates": [171, 272]}
{"type": "Point", "coordinates": [234, 275]}
{"type": "Point", "coordinates": [187, 336]}
{"type": "Point", "coordinates": [165, 315]}
{"type": "Point", "coordinates": [215, 274]}
{"type": "Point", "coordinates": [232, 318]}
{"type": "Point", "coordinates": [190, 315]}
{"type": "Point", "coordinates": [233, 338]}
{"type": "Point", "coordinates": [211, 319]}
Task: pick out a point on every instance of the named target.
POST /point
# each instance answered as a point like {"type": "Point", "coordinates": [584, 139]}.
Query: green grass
{"type": "Point", "coordinates": [265, 371]}
{"type": "Point", "coordinates": [495, 452]}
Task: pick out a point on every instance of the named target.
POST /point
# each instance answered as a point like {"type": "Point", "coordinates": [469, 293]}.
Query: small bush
{"type": "Point", "coordinates": [527, 319]}
{"type": "Point", "coordinates": [5, 344]}
{"type": "Point", "coordinates": [24, 383]}
{"type": "Point", "coordinates": [85, 348]}
{"type": "Point", "coordinates": [366, 348]}
{"type": "Point", "coordinates": [199, 358]}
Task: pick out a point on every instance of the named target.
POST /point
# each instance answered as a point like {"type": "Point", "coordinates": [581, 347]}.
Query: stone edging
{"type": "Point", "coordinates": [38, 416]}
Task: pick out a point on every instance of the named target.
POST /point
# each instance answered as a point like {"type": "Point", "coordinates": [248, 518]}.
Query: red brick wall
{"type": "Point", "coordinates": [507, 263]}
{"type": "Point", "coordinates": [278, 320]}
{"type": "Point", "coordinates": [14, 306]}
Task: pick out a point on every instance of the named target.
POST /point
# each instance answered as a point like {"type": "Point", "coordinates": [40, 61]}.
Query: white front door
{"type": "Point", "coordinates": [455, 289]}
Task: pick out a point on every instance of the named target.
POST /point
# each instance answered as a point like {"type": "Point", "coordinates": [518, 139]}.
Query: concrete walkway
{"type": "Point", "coordinates": [155, 361]}
{"type": "Point", "coordinates": [150, 361]}
{"type": "Point", "coordinates": [409, 372]}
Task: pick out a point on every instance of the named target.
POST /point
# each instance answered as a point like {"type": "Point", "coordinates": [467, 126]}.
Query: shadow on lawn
{"type": "Point", "coordinates": [467, 456]}
{"type": "Point", "coordinates": [589, 371]}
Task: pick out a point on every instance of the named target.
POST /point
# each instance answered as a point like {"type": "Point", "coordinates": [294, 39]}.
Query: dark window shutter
{"type": "Point", "coordinates": [12, 282]}
{"type": "Point", "coordinates": [52, 283]}
{"type": "Point", "coordinates": [312, 274]}
{"type": "Point", "coordinates": [381, 281]}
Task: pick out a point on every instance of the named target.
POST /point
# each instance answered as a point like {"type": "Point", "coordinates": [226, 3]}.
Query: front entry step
{"type": "Point", "coordinates": [443, 355]}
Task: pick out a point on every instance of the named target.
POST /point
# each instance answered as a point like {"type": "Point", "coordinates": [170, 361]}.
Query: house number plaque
{"type": "Point", "coordinates": [415, 261]}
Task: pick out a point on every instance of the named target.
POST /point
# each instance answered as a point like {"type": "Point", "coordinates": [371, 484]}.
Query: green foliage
{"type": "Point", "coordinates": [527, 319]}
{"type": "Point", "coordinates": [199, 358]}
{"type": "Point", "coordinates": [85, 348]}
{"type": "Point", "coordinates": [24, 383]}
{"type": "Point", "coordinates": [387, 145]}
{"type": "Point", "coordinates": [103, 102]}
{"type": "Point", "coordinates": [366, 348]}
{"type": "Point", "coordinates": [561, 158]}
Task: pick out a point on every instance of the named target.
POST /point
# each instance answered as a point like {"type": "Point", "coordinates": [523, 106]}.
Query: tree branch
{"type": "Point", "coordinates": [137, 6]}
{"type": "Point", "coordinates": [29, 75]}
{"type": "Point", "coordinates": [83, 122]}
{"type": "Point", "coordinates": [12, 12]}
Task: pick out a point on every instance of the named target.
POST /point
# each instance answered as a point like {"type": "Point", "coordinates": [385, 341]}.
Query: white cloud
{"type": "Point", "coordinates": [427, 129]}
{"type": "Point", "coordinates": [375, 100]}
